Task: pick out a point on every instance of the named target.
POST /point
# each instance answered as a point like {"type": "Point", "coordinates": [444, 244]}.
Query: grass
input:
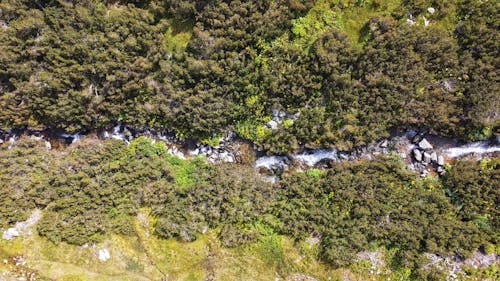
{"type": "Point", "coordinates": [353, 19]}
{"type": "Point", "coordinates": [178, 35]}
{"type": "Point", "coordinates": [146, 257]}
{"type": "Point", "coordinates": [185, 171]}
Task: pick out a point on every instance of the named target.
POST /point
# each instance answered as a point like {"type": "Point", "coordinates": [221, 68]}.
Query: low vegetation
{"type": "Point", "coordinates": [93, 190]}
{"type": "Point", "coordinates": [353, 69]}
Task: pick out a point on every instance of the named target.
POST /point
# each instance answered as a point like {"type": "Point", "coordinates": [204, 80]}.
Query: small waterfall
{"type": "Point", "coordinates": [119, 134]}
{"type": "Point", "coordinates": [271, 162]}
{"type": "Point", "coordinates": [480, 147]}
{"type": "Point", "coordinates": [313, 157]}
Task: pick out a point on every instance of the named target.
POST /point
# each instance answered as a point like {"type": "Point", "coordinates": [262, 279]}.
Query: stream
{"type": "Point", "coordinates": [229, 149]}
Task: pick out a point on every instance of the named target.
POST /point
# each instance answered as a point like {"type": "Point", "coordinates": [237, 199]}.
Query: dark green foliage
{"type": "Point", "coordinates": [226, 197]}
{"type": "Point", "coordinates": [95, 188]}
{"type": "Point", "coordinates": [82, 65]}
{"type": "Point", "coordinates": [354, 206]}
{"type": "Point", "coordinates": [24, 176]}
{"type": "Point", "coordinates": [290, 78]}
{"type": "Point", "coordinates": [89, 195]}
{"type": "Point", "coordinates": [478, 36]}
{"type": "Point", "coordinates": [473, 187]}
{"type": "Point", "coordinates": [403, 69]}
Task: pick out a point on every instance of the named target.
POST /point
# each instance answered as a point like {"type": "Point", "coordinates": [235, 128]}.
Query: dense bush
{"type": "Point", "coordinates": [24, 172]}
{"type": "Point", "coordinates": [228, 197]}
{"type": "Point", "coordinates": [95, 188]}
{"type": "Point", "coordinates": [359, 205]}
{"type": "Point", "coordinates": [79, 66]}
{"type": "Point", "coordinates": [473, 188]}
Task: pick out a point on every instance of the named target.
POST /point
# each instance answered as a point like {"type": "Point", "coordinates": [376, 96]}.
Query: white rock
{"type": "Point", "coordinates": [204, 229]}
{"type": "Point", "coordinates": [194, 152]}
{"type": "Point", "coordinates": [226, 157]}
{"type": "Point", "coordinates": [180, 155]}
{"type": "Point", "coordinates": [103, 254]}
{"type": "Point", "coordinates": [426, 21]}
{"type": "Point", "coordinates": [384, 144]}
{"type": "Point", "coordinates": [273, 125]}
{"type": "Point", "coordinates": [425, 145]}
{"type": "Point", "coordinates": [48, 145]}
{"type": "Point", "coordinates": [427, 158]}
{"type": "Point", "coordinates": [10, 234]}
{"type": "Point", "coordinates": [440, 160]}
{"type": "Point", "coordinates": [431, 10]}
{"type": "Point", "coordinates": [25, 227]}
{"type": "Point", "coordinates": [418, 155]}
{"type": "Point", "coordinates": [434, 157]}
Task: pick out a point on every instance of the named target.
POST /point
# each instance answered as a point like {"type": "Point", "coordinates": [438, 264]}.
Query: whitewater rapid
{"type": "Point", "coordinates": [311, 158]}
{"type": "Point", "coordinates": [480, 147]}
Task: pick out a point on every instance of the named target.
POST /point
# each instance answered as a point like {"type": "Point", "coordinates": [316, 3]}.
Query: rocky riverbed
{"type": "Point", "coordinates": [423, 153]}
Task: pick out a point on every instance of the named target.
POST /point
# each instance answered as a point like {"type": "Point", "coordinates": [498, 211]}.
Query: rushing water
{"type": "Point", "coordinates": [271, 162]}
{"type": "Point", "coordinates": [313, 157]}
{"type": "Point", "coordinates": [308, 158]}
{"type": "Point", "coordinates": [480, 147]}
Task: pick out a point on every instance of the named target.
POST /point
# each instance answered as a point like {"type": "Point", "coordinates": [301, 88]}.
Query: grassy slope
{"type": "Point", "coordinates": [146, 257]}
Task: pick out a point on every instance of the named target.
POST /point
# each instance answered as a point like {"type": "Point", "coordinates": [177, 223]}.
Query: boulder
{"type": "Point", "coordinates": [425, 145]}
{"type": "Point", "coordinates": [103, 255]}
{"type": "Point", "coordinates": [384, 144]}
{"type": "Point", "coordinates": [440, 160]}
{"type": "Point", "coordinates": [440, 170]}
{"type": "Point", "coordinates": [434, 157]}
{"type": "Point", "coordinates": [427, 158]}
{"type": "Point", "coordinates": [426, 21]}
{"type": "Point", "coordinates": [194, 152]}
{"type": "Point", "coordinates": [10, 234]}
{"type": "Point", "coordinates": [416, 138]}
{"type": "Point", "coordinates": [226, 157]}
{"type": "Point", "coordinates": [273, 125]}
{"type": "Point", "coordinates": [424, 173]}
{"type": "Point", "coordinates": [418, 155]}
{"type": "Point", "coordinates": [275, 112]}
